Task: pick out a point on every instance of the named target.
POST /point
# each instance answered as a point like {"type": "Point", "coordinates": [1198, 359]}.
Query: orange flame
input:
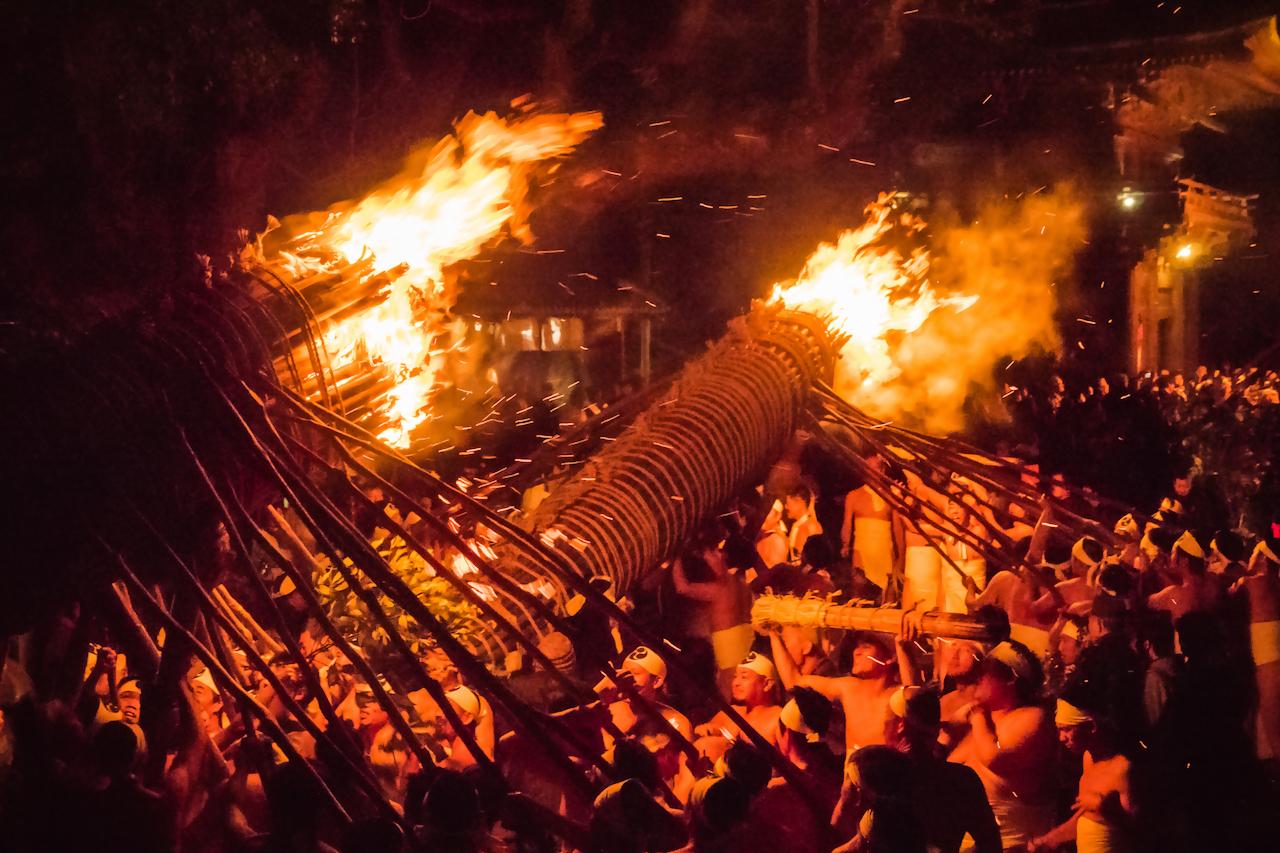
{"type": "Point", "coordinates": [925, 330]}
{"type": "Point", "coordinates": [869, 293]}
{"type": "Point", "coordinates": [450, 200]}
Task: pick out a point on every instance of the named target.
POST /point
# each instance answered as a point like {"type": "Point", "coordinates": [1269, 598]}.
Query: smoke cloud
{"type": "Point", "coordinates": [1010, 259]}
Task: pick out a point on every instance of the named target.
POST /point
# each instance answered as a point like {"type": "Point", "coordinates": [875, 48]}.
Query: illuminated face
{"type": "Point", "coordinates": [869, 661]}
{"type": "Point", "coordinates": [957, 659]}
{"type": "Point", "coordinates": [644, 679]}
{"type": "Point", "coordinates": [248, 675]}
{"type": "Point", "coordinates": [1069, 650]}
{"type": "Point", "coordinates": [203, 696]}
{"type": "Point", "coordinates": [1182, 485]}
{"type": "Point", "coordinates": [130, 698]}
{"type": "Point", "coordinates": [749, 688]}
{"type": "Point", "coordinates": [956, 510]}
{"type": "Point", "coordinates": [1073, 738]}
{"type": "Point", "coordinates": [795, 507]}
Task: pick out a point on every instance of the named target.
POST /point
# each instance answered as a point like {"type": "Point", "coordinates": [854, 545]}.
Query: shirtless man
{"type": "Point", "coordinates": [1227, 556]}
{"type": "Point", "coordinates": [797, 508]}
{"type": "Point", "coordinates": [647, 674]}
{"type": "Point", "coordinates": [955, 587]}
{"type": "Point", "coordinates": [384, 748]}
{"type": "Point", "coordinates": [864, 693]}
{"type": "Point", "coordinates": [922, 563]}
{"type": "Point", "coordinates": [1011, 744]}
{"type": "Point", "coordinates": [441, 669]}
{"type": "Point", "coordinates": [957, 668]}
{"type": "Point", "coordinates": [1195, 590]}
{"type": "Point", "coordinates": [466, 704]}
{"type": "Point", "coordinates": [1086, 556]}
{"type": "Point", "coordinates": [727, 601]}
{"type": "Point", "coordinates": [804, 647]}
{"type": "Point", "coordinates": [755, 686]}
{"type": "Point", "coordinates": [866, 536]}
{"type": "Point", "coordinates": [1099, 821]}
{"type": "Point", "coordinates": [208, 702]}
{"type": "Point", "coordinates": [1260, 591]}
{"type": "Point", "coordinates": [1126, 528]}
{"type": "Point", "coordinates": [1015, 590]}
{"type": "Point", "coordinates": [771, 543]}
{"type": "Point", "coordinates": [948, 798]}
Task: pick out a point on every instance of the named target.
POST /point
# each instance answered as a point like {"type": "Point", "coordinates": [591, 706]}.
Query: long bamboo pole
{"type": "Point", "coordinates": [777, 610]}
{"type": "Point", "coordinates": [229, 683]}
{"type": "Point", "coordinates": [553, 562]}
{"type": "Point", "coordinates": [210, 608]}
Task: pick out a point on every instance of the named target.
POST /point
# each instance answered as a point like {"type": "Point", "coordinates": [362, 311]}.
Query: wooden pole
{"type": "Point", "coordinates": [776, 610]}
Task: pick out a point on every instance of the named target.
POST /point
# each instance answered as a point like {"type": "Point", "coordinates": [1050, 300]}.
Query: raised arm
{"type": "Point", "coordinates": [1049, 604]}
{"type": "Point", "coordinates": [990, 594]}
{"type": "Point", "coordinates": [908, 672]}
{"type": "Point", "coordinates": [1009, 746]}
{"type": "Point", "coordinates": [791, 676]}
{"type": "Point", "coordinates": [1040, 536]}
{"type": "Point", "coordinates": [690, 589]}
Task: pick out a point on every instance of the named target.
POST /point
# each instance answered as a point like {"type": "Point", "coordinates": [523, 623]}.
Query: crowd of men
{"type": "Point", "coordinates": [1135, 705]}
{"type": "Point", "coordinates": [1127, 435]}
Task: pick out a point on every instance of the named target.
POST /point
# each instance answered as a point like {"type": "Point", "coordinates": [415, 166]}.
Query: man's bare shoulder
{"type": "Point", "coordinates": [1162, 600]}
{"type": "Point", "coordinates": [1027, 716]}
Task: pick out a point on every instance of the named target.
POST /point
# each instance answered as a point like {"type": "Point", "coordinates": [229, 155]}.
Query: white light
{"type": "Point", "coordinates": [1128, 202]}
{"type": "Point", "coordinates": [1185, 251]}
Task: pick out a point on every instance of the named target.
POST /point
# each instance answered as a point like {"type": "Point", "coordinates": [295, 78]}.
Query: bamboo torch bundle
{"type": "Point", "coordinates": [771, 611]}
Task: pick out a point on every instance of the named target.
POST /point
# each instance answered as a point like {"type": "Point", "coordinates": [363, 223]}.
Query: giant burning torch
{"type": "Point", "coordinates": [366, 279]}
{"type": "Point", "coordinates": [732, 412]}
{"type": "Point", "coordinates": [236, 426]}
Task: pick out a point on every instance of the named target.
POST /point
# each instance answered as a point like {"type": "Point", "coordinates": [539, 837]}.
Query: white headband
{"type": "Point", "coordinates": [1068, 715]}
{"type": "Point", "coordinates": [760, 665]}
{"type": "Point", "coordinates": [648, 661]}
{"type": "Point", "coordinates": [1189, 545]}
{"type": "Point", "coordinates": [792, 720]}
{"type": "Point", "coordinates": [466, 699]}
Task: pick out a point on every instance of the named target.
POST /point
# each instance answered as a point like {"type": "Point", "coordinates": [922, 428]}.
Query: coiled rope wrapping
{"type": "Point", "coordinates": [724, 421]}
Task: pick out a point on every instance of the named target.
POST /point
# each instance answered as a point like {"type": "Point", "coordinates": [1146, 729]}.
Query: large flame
{"type": "Point", "coordinates": [924, 330]}
{"type": "Point", "coordinates": [450, 200]}
{"type": "Point", "coordinates": [869, 292]}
